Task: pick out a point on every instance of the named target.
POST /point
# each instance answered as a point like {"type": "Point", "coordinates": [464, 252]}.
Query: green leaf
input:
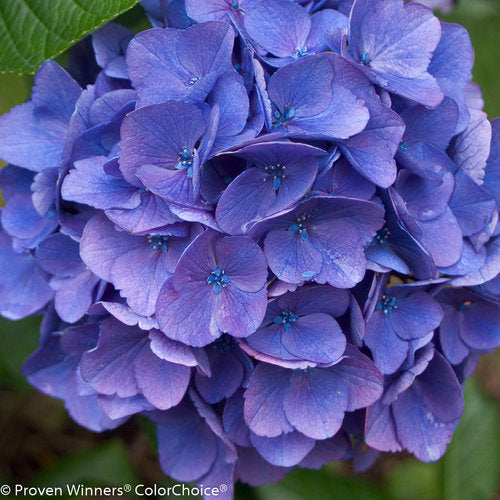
{"type": "Point", "coordinates": [19, 339]}
{"type": "Point", "coordinates": [414, 480]}
{"type": "Point", "coordinates": [32, 31]}
{"type": "Point", "coordinates": [324, 485]}
{"type": "Point", "coordinates": [103, 465]}
{"type": "Point", "coordinates": [471, 465]}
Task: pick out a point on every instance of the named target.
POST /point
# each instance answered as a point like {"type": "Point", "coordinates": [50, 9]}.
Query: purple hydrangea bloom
{"type": "Point", "coordinates": [269, 227]}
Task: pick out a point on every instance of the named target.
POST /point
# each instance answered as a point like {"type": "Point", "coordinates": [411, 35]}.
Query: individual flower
{"type": "Point", "coordinates": [218, 287]}
{"type": "Point", "coordinates": [393, 44]}
{"type": "Point", "coordinates": [321, 240]}
{"type": "Point", "coordinates": [401, 315]}
{"type": "Point", "coordinates": [280, 175]}
{"type": "Point", "coordinates": [419, 410]}
{"type": "Point", "coordinates": [470, 323]}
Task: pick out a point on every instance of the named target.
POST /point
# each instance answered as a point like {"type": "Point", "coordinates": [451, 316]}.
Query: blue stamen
{"type": "Point", "coordinates": [365, 60]}
{"type": "Point", "coordinates": [300, 227]}
{"type": "Point", "coordinates": [464, 305]}
{"type": "Point", "coordinates": [283, 118]}
{"type": "Point", "coordinates": [235, 4]}
{"type": "Point", "coordinates": [285, 319]}
{"type": "Point", "coordinates": [300, 51]}
{"type": "Point", "coordinates": [387, 304]}
{"type": "Point", "coordinates": [193, 81]}
{"type": "Point", "coordinates": [185, 161]}
{"type": "Point", "coordinates": [382, 236]}
{"type": "Point", "coordinates": [218, 279]}
{"type": "Point", "coordinates": [403, 147]}
{"type": "Point", "coordinates": [157, 241]}
{"type": "Point", "coordinates": [276, 173]}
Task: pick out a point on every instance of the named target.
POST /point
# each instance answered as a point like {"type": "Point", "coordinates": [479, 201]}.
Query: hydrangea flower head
{"type": "Point", "coordinates": [268, 226]}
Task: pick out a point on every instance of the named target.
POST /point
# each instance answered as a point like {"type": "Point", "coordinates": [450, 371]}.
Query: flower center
{"type": "Point", "coordinates": [276, 173]}
{"type": "Point", "coordinates": [285, 319]}
{"type": "Point", "coordinates": [218, 279]}
{"type": "Point", "coordinates": [235, 4]}
{"type": "Point", "coordinates": [285, 117]}
{"type": "Point", "coordinates": [387, 304]}
{"type": "Point", "coordinates": [300, 226]}
{"type": "Point", "coordinates": [300, 51]}
{"type": "Point", "coordinates": [185, 161]}
{"type": "Point", "coordinates": [365, 60]}
{"type": "Point", "coordinates": [222, 344]}
{"type": "Point", "coordinates": [156, 242]}
{"type": "Point", "coordinates": [382, 236]}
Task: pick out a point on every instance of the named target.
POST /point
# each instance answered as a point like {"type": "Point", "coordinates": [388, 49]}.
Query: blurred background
{"type": "Point", "coordinates": [41, 446]}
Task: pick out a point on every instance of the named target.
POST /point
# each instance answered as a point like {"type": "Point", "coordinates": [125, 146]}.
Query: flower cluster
{"type": "Point", "coordinates": [270, 228]}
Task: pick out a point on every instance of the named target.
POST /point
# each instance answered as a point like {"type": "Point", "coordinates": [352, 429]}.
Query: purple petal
{"type": "Point", "coordinates": [234, 424]}
{"type": "Point", "coordinates": [344, 262]}
{"type": "Point", "coordinates": [24, 289]}
{"type": "Point", "coordinates": [289, 256]}
{"type": "Point", "coordinates": [186, 445]}
{"type": "Point", "coordinates": [74, 295]}
{"type": "Point", "coordinates": [255, 471]}
{"type": "Point", "coordinates": [110, 43]}
{"type": "Point", "coordinates": [363, 380]}
{"type": "Point", "coordinates": [314, 402]}
{"type": "Point", "coordinates": [155, 135]}
{"type": "Point", "coordinates": [470, 149]}
{"type": "Point", "coordinates": [285, 450]}
{"type": "Point", "coordinates": [150, 216]}
{"type": "Point", "coordinates": [263, 408]}
{"type": "Point", "coordinates": [107, 367]}
{"type": "Point", "coordinates": [281, 28]}
{"type": "Point", "coordinates": [479, 326]}
{"type": "Point", "coordinates": [162, 383]}
{"type": "Point", "coordinates": [394, 43]}
{"type": "Point", "coordinates": [88, 183]}
{"type": "Point", "coordinates": [380, 431]}
{"type": "Point", "coordinates": [232, 252]}
{"type": "Point", "coordinates": [316, 337]}
{"type": "Point", "coordinates": [230, 95]}
{"type": "Point", "coordinates": [451, 65]}
{"type": "Point", "coordinates": [388, 350]}
{"type": "Point", "coordinates": [416, 316]}
{"type": "Point", "coordinates": [58, 254]}
{"type": "Point", "coordinates": [322, 107]}
{"type": "Point", "coordinates": [168, 63]}
{"type": "Point", "coordinates": [172, 351]}
{"type": "Point", "coordinates": [225, 379]}
{"type": "Point", "coordinates": [240, 313]}
{"type": "Point", "coordinates": [187, 316]}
